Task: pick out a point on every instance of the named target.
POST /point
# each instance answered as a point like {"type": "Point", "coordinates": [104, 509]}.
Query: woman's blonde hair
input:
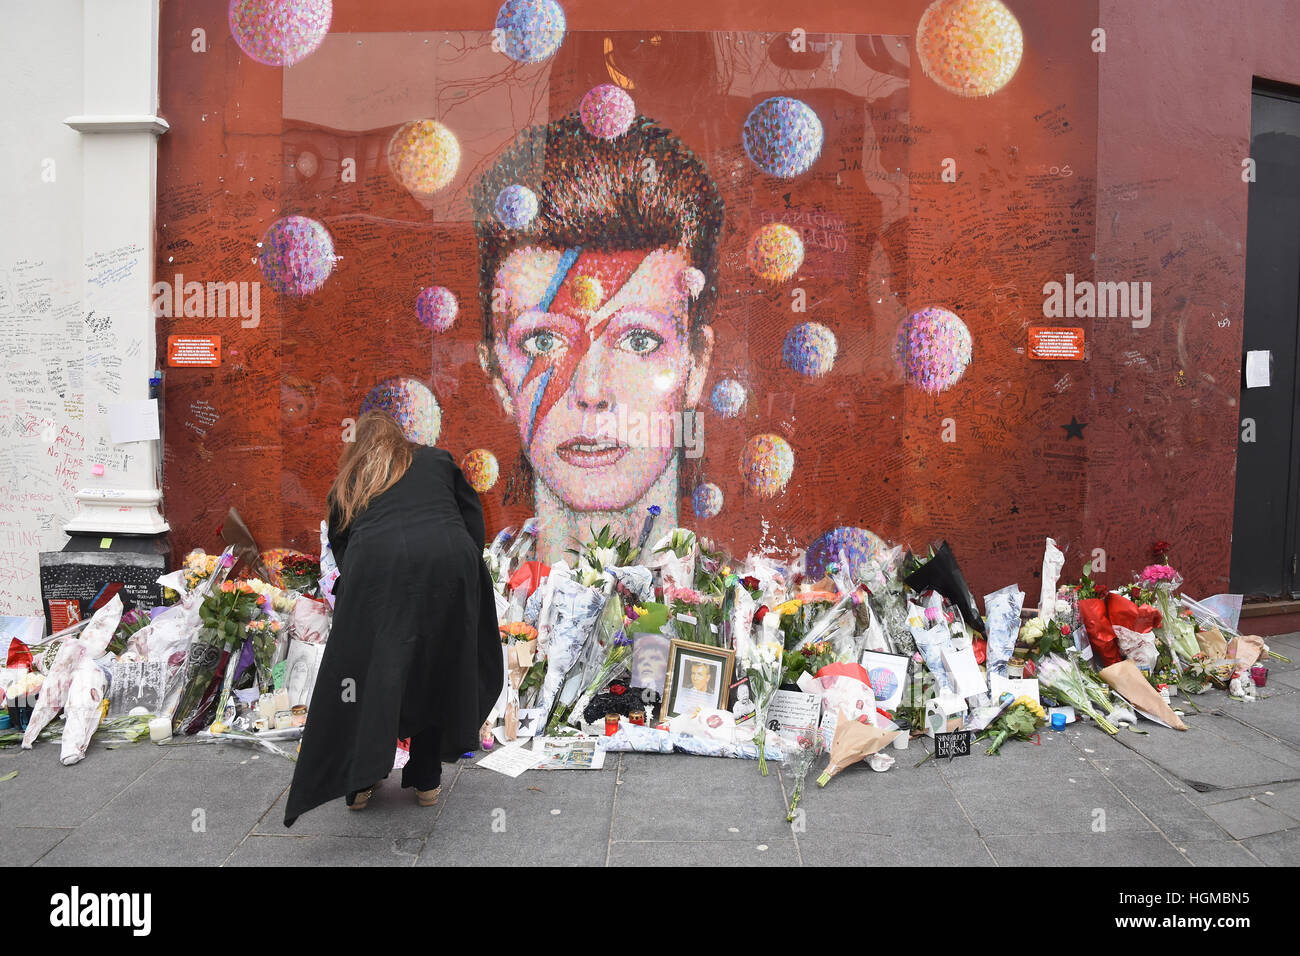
{"type": "Point", "coordinates": [370, 465]}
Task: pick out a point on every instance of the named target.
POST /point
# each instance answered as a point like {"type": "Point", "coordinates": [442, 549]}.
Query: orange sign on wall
{"type": "Point", "coordinates": [1055, 344]}
{"type": "Point", "coordinates": [194, 350]}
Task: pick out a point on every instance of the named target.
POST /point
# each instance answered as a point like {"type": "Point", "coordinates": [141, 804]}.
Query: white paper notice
{"type": "Point", "coordinates": [511, 761]}
{"type": "Point", "coordinates": [1257, 369]}
{"type": "Point", "coordinates": [1024, 687]}
{"type": "Point", "coordinates": [965, 672]}
{"type": "Point", "coordinates": [133, 421]}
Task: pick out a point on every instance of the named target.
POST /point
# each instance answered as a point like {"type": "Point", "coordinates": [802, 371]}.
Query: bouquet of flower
{"type": "Point", "coordinates": [808, 747]}
{"type": "Point", "coordinates": [762, 664]}
{"type": "Point", "coordinates": [605, 651]}
{"type": "Point", "coordinates": [605, 550]}
{"type": "Point", "coordinates": [1061, 678]}
{"type": "Point", "coordinates": [224, 614]}
{"type": "Point", "coordinates": [300, 572]}
{"type": "Point", "coordinates": [1042, 636]}
{"type": "Point", "coordinates": [854, 740]}
{"type": "Point", "coordinates": [265, 634]}
{"type": "Point", "coordinates": [1019, 720]}
{"type": "Point", "coordinates": [808, 659]}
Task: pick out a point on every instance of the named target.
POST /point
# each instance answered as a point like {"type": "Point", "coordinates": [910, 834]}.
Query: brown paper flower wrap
{"type": "Point", "coordinates": [519, 657]}
{"type": "Point", "coordinates": [1133, 687]}
{"type": "Point", "coordinates": [853, 741]}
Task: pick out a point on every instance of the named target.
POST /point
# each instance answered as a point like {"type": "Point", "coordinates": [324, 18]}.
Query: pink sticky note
{"type": "Point", "coordinates": [96, 469]}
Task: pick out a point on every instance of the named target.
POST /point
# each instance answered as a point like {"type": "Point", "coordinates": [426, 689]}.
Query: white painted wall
{"type": "Point", "coordinates": [76, 237]}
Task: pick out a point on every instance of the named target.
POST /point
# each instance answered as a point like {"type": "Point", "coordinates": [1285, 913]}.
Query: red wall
{"type": "Point", "coordinates": [1153, 131]}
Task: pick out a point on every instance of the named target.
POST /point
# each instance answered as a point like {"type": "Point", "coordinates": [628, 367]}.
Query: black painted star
{"type": "Point", "coordinates": [525, 722]}
{"type": "Point", "coordinates": [1074, 429]}
{"type": "Point", "coordinates": [1015, 509]}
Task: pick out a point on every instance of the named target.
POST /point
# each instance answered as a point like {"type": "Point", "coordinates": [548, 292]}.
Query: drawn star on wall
{"type": "Point", "coordinates": [1074, 429]}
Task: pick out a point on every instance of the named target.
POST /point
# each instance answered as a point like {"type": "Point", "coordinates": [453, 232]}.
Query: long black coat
{"type": "Point", "coordinates": [414, 626]}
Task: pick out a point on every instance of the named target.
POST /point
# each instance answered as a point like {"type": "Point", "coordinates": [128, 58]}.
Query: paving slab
{"type": "Point", "coordinates": [176, 814]}
{"type": "Point", "coordinates": [1217, 853]}
{"type": "Point", "coordinates": [541, 818]}
{"type": "Point", "coordinates": [1213, 752]}
{"type": "Point", "coordinates": [259, 850]}
{"type": "Point", "coordinates": [47, 794]}
{"type": "Point", "coordinates": [1276, 849]}
{"type": "Point", "coordinates": [1249, 818]}
{"type": "Point", "coordinates": [1053, 805]}
{"type": "Point", "coordinates": [23, 846]}
{"type": "Point", "coordinates": [1284, 798]}
{"type": "Point", "coordinates": [847, 848]}
{"type": "Point", "coordinates": [392, 813]}
{"type": "Point", "coordinates": [681, 798]}
{"type": "Point", "coordinates": [1085, 849]}
{"type": "Point", "coordinates": [705, 853]}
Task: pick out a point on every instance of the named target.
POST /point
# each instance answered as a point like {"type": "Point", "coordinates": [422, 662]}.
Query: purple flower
{"type": "Point", "coordinates": [655, 510]}
{"type": "Point", "coordinates": [228, 560]}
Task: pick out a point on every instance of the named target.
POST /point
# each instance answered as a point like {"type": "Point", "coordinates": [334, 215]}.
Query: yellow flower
{"type": "Point", "coordinates": [1031, 705]}
{"type": "Point", "coordinates": [787, 608]}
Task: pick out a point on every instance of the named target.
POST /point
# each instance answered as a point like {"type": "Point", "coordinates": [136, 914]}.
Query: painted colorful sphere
{"type": "Point", "coordinates": [279, 32]}
{"type": "Point", "coordinates": [707, 500]}
{"type": "Point", "coordinates": [480, 467]}
{"type": "Point", "coordinates": [933, 348]}
{"type": "Point", "coordinates": [516, 206]}
{"type": "Point", "coordinates": [728, 398]}
{"type": "Point", "coordinates": [969, 47]}
{"type": "Point", "coordinates": [775, 252]}
{"type": "Point", "coordinates": [436, 308]}
{"type": "Point", "coordinates": [607, 111]}
{"type": "Point", "coordinates": [858, 544]}
{"type": "Point", "coordinates": [783, 136]}
{"type": "Point", "coordinates": [690, 282]}
{"type": "Point", "coordinates": [531, 30]}
{"type": "Point", "coordinates": [423, 156]}
{"type": "Point", "coordinates": [810, 349]}
{"type": "Point", "coordinates": [766, 463]}
{"type": "Point", "coordinates": [411, 404]}
{"type": "Point", "coordinates": [297, 255]}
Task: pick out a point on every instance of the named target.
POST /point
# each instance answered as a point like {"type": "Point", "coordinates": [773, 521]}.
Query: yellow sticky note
{"type": "Point", "coordinates": [105, 542]}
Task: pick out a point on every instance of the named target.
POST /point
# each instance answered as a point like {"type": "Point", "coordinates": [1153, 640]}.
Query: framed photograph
{"type": "Point", "coordinates": [888, 673]}
{"type": "Point", "coordinates": [698, 676]}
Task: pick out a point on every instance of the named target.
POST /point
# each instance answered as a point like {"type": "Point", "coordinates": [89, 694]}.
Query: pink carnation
{"type": "Point", "coordinates": [1157, 574]}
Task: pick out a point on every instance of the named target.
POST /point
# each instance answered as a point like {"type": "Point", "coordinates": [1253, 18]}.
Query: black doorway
{"type": "Point", "coordinates": [1264, 539]}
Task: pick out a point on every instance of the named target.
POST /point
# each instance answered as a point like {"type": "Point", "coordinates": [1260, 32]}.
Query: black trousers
{"type": "Point", "coordinates": [424, 770]}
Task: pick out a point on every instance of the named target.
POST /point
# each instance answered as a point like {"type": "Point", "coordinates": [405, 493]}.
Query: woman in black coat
{"type": "Point", "coordinates": [414, 649]}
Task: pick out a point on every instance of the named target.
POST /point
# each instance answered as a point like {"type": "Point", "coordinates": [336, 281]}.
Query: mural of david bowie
{"type": "Point", "coordinates": [596, 321]}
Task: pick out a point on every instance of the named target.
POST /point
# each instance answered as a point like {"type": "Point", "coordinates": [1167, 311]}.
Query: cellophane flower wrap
{"type": "Point", "coordinates": [1020, 720]}
{"type": "Point", "coordinates": [762, 663]}
{"type": "Point", "coordinates": [610, 656]}
{"type": "Point", "coordinates": [1060, 677]}
{"type": "Point", "coordinates": [808, 747]}
{"type": "Point", "coordinates": [1002, 608]}
{"type": "Point", "coordinates": [571, 638]}
{"type": "Point", "coordinates": [85, 647]}
{"type": "Point", "coordinates": [224, 615]}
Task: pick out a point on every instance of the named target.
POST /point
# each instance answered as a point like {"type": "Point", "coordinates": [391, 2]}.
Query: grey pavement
{"type": "Point", "coordinates": [1225, 793]}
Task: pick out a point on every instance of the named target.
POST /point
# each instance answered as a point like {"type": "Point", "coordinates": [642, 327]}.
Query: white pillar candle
{"type": "Point", "coordinates": [160, 730]}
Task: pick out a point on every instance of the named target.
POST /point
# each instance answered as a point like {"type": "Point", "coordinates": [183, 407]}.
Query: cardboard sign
{"type": "Point", "coordinates": [956, 744]}
{"type": "Point", "coordinates": [1055, 344]}
{"type": "Point", "coordinates": [201, 351]}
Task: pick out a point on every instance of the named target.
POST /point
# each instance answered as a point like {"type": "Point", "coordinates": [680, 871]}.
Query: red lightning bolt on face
{"type": "Point", "coordinates": [610, 270]}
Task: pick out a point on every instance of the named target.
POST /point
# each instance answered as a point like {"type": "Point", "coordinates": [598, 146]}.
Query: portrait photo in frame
{"type": "Point", "coordinates": [698, 676]}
